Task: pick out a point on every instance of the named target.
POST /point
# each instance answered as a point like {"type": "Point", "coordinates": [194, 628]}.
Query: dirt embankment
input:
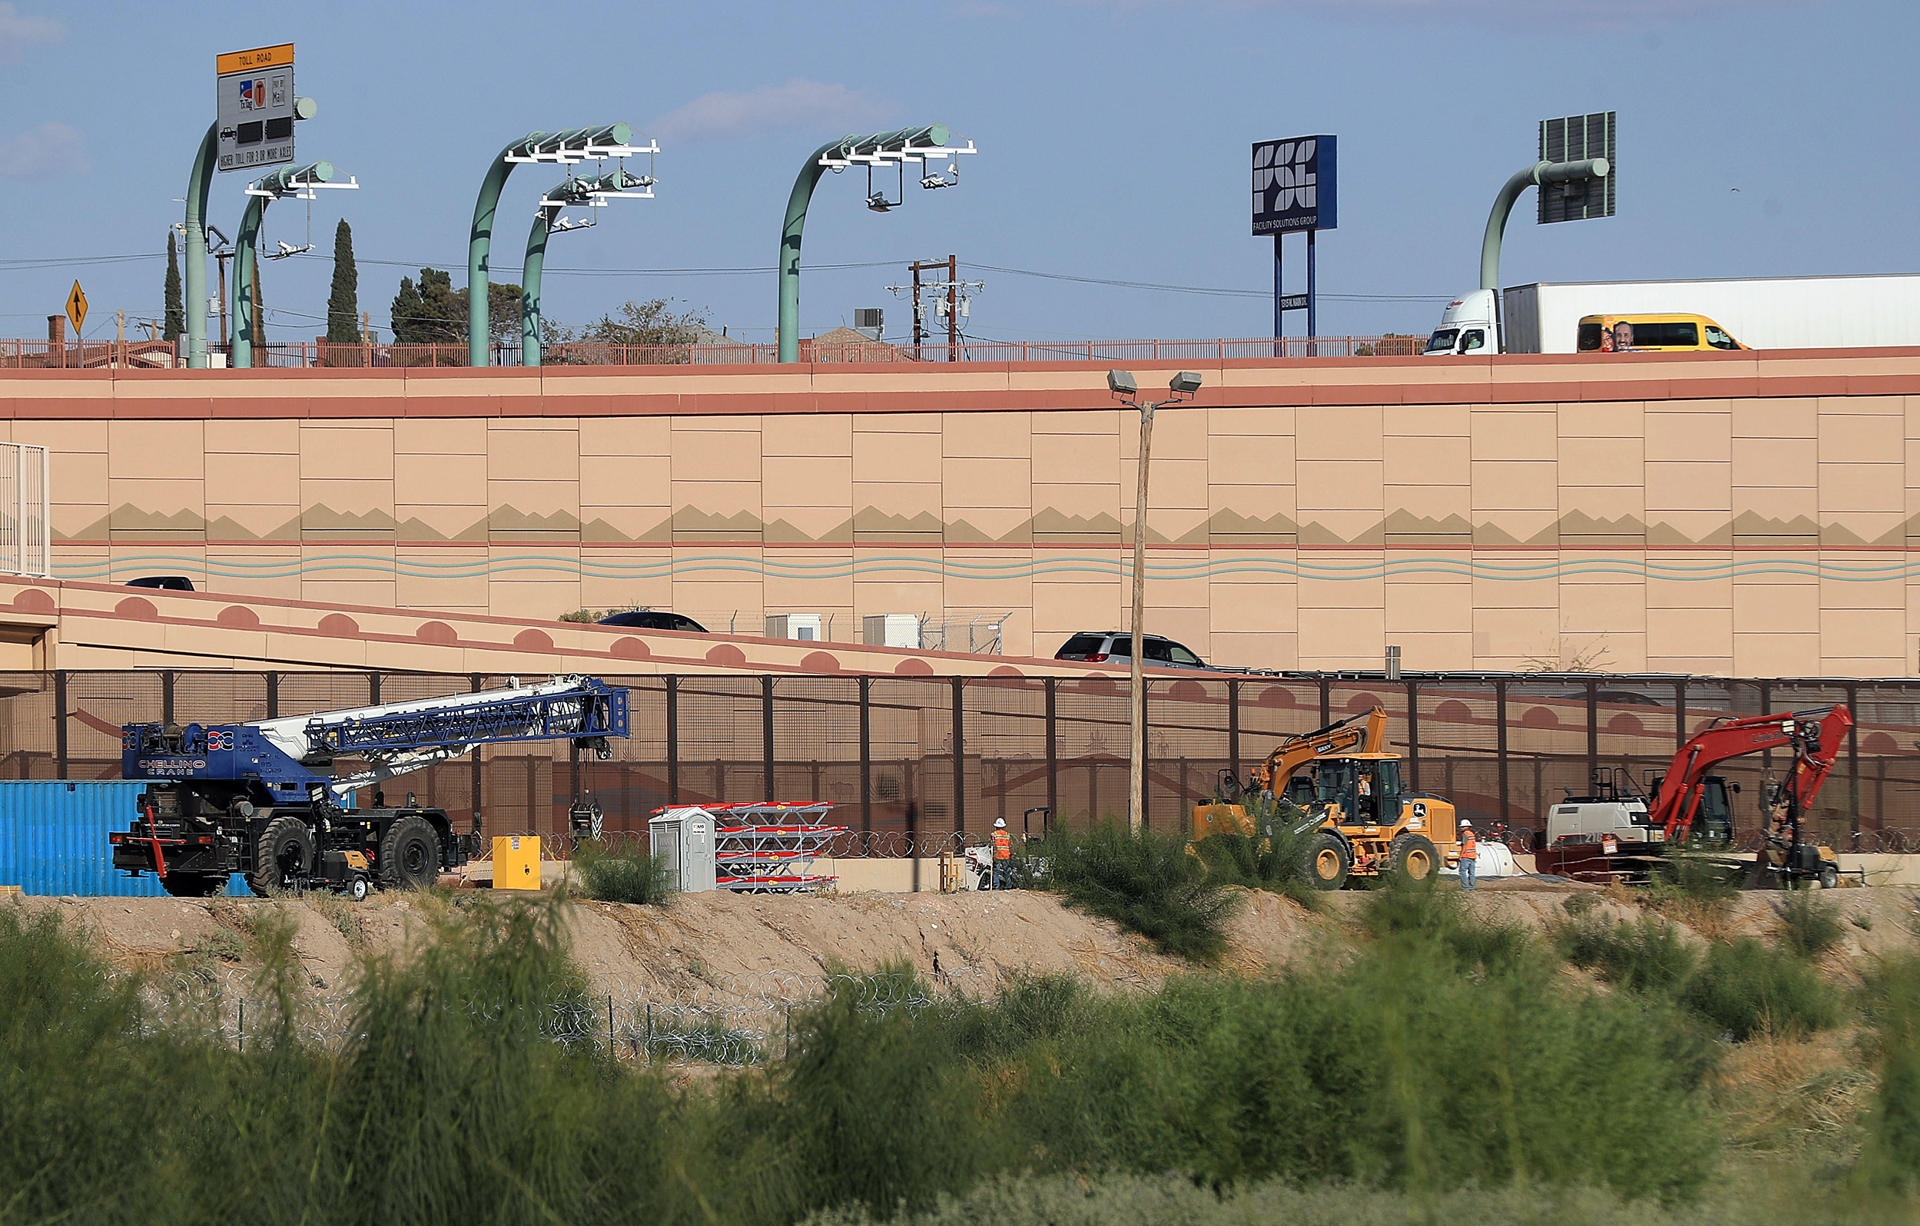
{"type": "Point", "coordinates": [769, 944]}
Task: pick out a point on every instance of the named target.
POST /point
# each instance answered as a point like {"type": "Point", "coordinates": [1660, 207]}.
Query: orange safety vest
{"type": "Point", "coordinates": [1469, 845]}
{"type": "Point", "coordinates": [1002, 845]}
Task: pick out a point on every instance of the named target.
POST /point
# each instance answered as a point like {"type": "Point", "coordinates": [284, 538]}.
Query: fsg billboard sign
{"type": "Point", "coordinates": [1295, 184]}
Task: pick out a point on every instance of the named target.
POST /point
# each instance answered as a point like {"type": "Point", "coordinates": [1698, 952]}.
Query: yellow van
{"type": "Point", "coordinates": [1654, 333]}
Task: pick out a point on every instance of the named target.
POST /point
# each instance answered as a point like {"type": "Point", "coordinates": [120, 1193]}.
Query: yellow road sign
{"type": "Point", "coordinates": [247, 61]}
{"type": "Point", "coordinates": [77, 307]}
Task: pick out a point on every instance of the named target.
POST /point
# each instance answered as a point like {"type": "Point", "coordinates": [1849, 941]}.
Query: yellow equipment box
{"type": "Point", "coordinates": [516, 862]}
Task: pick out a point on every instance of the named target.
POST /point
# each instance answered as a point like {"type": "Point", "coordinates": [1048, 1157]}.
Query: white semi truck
{"type": "Point", "coordinates": [1756, 313]}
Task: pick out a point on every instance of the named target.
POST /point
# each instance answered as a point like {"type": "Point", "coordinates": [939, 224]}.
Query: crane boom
{"type": "Point", "coordinates": [1678, 798]}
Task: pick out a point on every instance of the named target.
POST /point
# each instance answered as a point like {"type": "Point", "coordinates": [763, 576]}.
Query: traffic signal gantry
{"type": "Point", "coordinates": [593, 193]}
{"type": "Point", "coordinates": [292, 182]}
{"type": "Point", "coordinates": [918, 145]}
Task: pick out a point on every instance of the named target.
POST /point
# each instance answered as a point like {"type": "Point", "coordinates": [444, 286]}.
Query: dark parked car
{"type": "Point", "coordinates": [654, 619]}
{"type": "Point", "coordinates": [1102, 646]}
{"type": "Point", "coordinates": [172, 583]}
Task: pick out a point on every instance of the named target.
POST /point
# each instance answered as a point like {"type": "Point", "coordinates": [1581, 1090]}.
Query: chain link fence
{"type": "Point", "coordinates": [910, 761]}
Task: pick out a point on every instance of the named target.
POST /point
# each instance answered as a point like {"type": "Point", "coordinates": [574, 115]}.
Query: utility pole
{"type": "Point", "coordinates": [221, 258]}
{"type": "Point", "coordinates": [953, 308]}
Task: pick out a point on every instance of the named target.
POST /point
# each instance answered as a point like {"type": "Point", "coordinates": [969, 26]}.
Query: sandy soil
{"type": "Point", "coordinates": [750, 945]}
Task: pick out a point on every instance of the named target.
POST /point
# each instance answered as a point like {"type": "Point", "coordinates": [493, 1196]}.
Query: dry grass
{"type": "Point", "coordinates": [1803, 1099]}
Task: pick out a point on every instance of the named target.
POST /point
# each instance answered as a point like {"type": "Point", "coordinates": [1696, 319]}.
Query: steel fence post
{"type": "Point", "coordinates": [766, 735]}
{"type": "Point", "coordinates": [866, 765]}
{"type": "Point", "coordinates": [673, 740]}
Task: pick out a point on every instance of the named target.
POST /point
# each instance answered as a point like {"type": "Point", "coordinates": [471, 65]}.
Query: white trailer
{"type": "Point", "coordinates": [1838, 312]}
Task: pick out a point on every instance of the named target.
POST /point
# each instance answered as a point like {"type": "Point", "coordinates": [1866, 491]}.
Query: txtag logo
{"type": "Point", "coordinates": [1284, 176]}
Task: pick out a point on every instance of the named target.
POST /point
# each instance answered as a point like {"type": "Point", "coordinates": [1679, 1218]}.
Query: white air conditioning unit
{"type": "Point", "coordinates": [802, 626]}
{"type": "Point", "coordinates": [891, 630]}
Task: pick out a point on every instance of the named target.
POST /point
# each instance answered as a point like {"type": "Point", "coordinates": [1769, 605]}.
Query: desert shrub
{"type": "Point", "coordinates": [622, 872]}
{"type": "Point", "coordinates": [1421, 911]}
{"type": "Point", "coordinates": [1808, 925]}
{"type": "Point", "coordinates": [1646, 954]}
{"type": "Point", "coordinates": [1273, 858]}
{"type": "Point", "coordinates": [1745, 987]}
{"type": "Point", "coordinates": [1890, 1158]}
{"type": "Point", "coordinates": [1145, 882]}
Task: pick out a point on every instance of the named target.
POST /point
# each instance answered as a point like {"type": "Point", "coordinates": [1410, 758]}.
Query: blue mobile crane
{"type": "Point", "coordinates": [262, 798]}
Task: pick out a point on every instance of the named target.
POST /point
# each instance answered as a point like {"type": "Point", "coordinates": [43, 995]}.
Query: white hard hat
{"type": "Point", "coordinates": [1465, 824]}
{"type": "Point", "coordinates": [999, 823]}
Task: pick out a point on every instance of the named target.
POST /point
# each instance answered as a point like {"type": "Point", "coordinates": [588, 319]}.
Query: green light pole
{"type": "Point", "coordinates": [295, 181]}
{"type": "Point", "coordinates": [1538, 173]}
{"type": "Point", "coordinates": [881, 149]}
{"type": "Point", "coordinates": [560, 148]}
{"type": "Point", "coordinates": [591, 192]}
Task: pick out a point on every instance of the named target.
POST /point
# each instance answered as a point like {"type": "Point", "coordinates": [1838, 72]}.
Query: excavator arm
{"type": "Point", "coordinates": [1365, 732]}
{"type": "Point", "coordinates": [1820, 731]}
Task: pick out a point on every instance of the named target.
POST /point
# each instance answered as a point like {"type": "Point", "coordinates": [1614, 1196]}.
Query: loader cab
{"type": "Point", "coordinates": [1713, 822]}
{"type": "Point", "coordinates": [1365, 787]}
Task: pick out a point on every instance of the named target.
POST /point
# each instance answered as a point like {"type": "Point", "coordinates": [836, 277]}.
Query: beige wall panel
{"type": "Point", "coordinates": [62, 436]}
{"type": "Point", "coordinates": [1337, 485]}
{"type": "Point", "coordinates": [726, 423]}
{"type": "Point", "coordinates": [531, 599]}
{"type": "Point", "coordinates": [1178, 434]}
{"type": "Point", "coordinates": [1603, 461]}
{"type": "Point", "coordinates": [440, 436]}
{"type": "Point", "coordinates": [1517, 633]}
{"type": "Point", "coordinates": [1702, 632]}
{"type": "Point", "coordinates": [1781, 417]}
{"type": "Point", "coordinates": [603, 525]}
{"type": "Point", "coordinates": [625, 591]}
{"type": "Point", "coordinates": [1715, 592]}
{"type": "Point", "coordinates": [450, 478]}
{"type": "Point", "coordinates": [1603, 608]}
{"type": "Point", "coordinates": [716, 455]}
{"type": "Point", "coordinates": [1428, 421]}
{"type": "Point", "coordinates": [1251, 422]}
{"type": "Point", "coordinates": [1082, 501]}
{"type": "Point", "coordinates": [899, 594]}
{"type": "Point", "coordinates": [1775, 461]}
{"type": "Point", "coordinates": [1434, 606]}
{"type": "Point", "coordinates": [1428, 461]}
{"type": "Point", "coordinates": [1436, 651]}
{"type": "Point", "coordinates": [1254, 607]}
{"type": "Point", "coordinates": [141, 500]}
{"type": "Point", "coordinates": [1853, 528]}
{"type": "Point", "coordinates": [1438, 503]}
{"type": "Point", "coordinates": [896, 498]}
{"type": "Point", "coordinates": [253, 572]}
{"type": "Point", "coordinates": [533, 455]}
{"type": "Point", "coordinates": [1864, 634]}
{"type": "Point", "coordinates": [1775, 608]}
{"type": "Point", "coordinates": [1515, 434]}
{"type": "Point", "coordinates": [156, 449]}
{"type": "Point", "coordinates": [1849, 436]}
{"type": "Point", "coordinates": [809, 481]}
{"type": "Point", "coordinates": [1887, 593]}
{"type": "Point", "coordinates": [1248, 649]}
{"type": "Point", "coordinates": [449, 579]}
{"type": "Point", "coordinates": [1366, 590]}
{"type": "Point", "coordinates": [1515, 485]}
{"type": "Point", "coordinates": [1342, 638]}
{"type": "Point", "coordinates": [371, 593]}
{"type": "Point", "coordinates": [71, 521]}
{"type": "Point", "coordinates": [1689, 528]}
{"type": "Point", "coordinates": [1679, 485]}
{"type": "Point", "coordinates": [1689, 435]}
{"type": "Point", "coordinates": [440, 521]}
{"type": "Point", "coordinates": [1324, 528]}
{"type": "Point", "coordinates": [1508, 587]}
{"type": "Point", "coordinates": [714, 498]}
{"type": "Point", "coordinates": [630, 436]}
{"type": "Point", "coordinates": [1862, 487]}
{"type": "Point", "coordinates": [1013, 525]}
{"type": "Point", "coordinates": [816, 594]}
{"type": "Point", "coordinates": [1602, 419]}
{"type": "Point", "coordinates": [364, 454]}
{"type": "Point", "coordinates": [626, 480]}
{"type": "Point", "coordinates": [1340, 432]}
{"type": "Point", "coordinates": [1101, 423]}
{"type": "Point", "coordinates": [1232, 506]}
{"type": "Point", "coordinates": [995, 435]}
{"type": "Point", "coordinates": [246, 437]}
{"type": "Point", "coordinates": [1622, 506]}
{"type": "Point", "coordinates": [81, 476]}
{"type": "Point", "coordinates": [1067, 458]}
{"type": "Point", "coordinates": [887, 456]}
{"type": "Point", "coordinates": [975, 481]}
{"type": "Point", "coordinates": [1762, 655]}
{"type": "Point", "coordinates": [807, 525]}
{"type": "Point", "coordinates": [1064, 606]}
{"type": "Point", "coordinates": [1250, 461]}
{"type": "Point", "coordinates": [1874, 406]}
{"type": "Point", "coordinates": [252, 520]}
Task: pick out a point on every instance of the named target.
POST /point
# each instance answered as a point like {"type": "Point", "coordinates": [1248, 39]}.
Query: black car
{"type": "Point", "coordinates": [171, 583]}
{"type": "Point", "coordinates": [1102, 646]}
{"type": "Point", "coordinates": [655, 619]}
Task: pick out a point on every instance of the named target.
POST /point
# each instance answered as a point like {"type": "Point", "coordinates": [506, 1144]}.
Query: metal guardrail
{"type": "Point", "coordinates": [162, 355]}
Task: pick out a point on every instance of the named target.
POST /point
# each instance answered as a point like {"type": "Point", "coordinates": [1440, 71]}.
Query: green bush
{"type": "Point", "coordinates": [1890, 1159]}
{"type": "Point", "coordinates": [1143, 881]}
{"type": "Point", "coordinates": [1274, 858]}
{"type": "Point", "coordinates": [1427, 914]}
{"type": "Point", "coordinates": [621, 872]}
{"type": "Point", "coordinates": [1747, 987]}
{"type": "Point", "coordinates": [1809, 925]}
{"type": "Point", "coordinates": [1645, 955]}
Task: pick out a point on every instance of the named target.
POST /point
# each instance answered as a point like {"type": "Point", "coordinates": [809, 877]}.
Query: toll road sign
{"type": "Point", "coordinates": [255, 108]}
{"type": "Point", "coordinates": [77, 307]}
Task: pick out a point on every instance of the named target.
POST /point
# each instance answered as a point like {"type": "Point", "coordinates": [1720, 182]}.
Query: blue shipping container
{"type": "Point", "coordinates": [53, 838]}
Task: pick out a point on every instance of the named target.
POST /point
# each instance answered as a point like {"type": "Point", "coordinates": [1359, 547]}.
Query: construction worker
{"type": "Point", "coordinates": [1002, 855]}
{"type": "Point", "coordinates": [1469, 854]}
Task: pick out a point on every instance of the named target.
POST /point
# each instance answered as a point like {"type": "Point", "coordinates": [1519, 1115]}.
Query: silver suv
{"type": "Point", "coordinates": [1103, 646]}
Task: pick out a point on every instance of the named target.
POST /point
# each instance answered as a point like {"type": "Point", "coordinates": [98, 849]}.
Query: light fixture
{"type": "Point", "coordinates": [1186, 383]}
{"type": "Point", "coordinates": [1122, 383]}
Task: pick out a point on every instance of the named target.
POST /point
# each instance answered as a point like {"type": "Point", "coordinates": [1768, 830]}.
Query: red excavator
{"type": "Point", "coordinates": [1614, 834]}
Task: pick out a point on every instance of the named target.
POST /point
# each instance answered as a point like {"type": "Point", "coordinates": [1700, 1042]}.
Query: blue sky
{"type": "Point", "coordinates": [1756, 137]}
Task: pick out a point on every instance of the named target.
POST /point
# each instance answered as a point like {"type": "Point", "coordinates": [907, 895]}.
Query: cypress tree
{"type": "Point", "coordinates": [176, 314]}
{"type": "Point", "coordinates": [343, 304]}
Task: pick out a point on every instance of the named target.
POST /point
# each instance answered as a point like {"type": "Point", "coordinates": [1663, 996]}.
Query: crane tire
{"type": "Point", "coordinates": [285, 850]}
{"type": "Point", "coordinates": [410, 854]}
{"type": "Point", "coordinates": [193, 885]}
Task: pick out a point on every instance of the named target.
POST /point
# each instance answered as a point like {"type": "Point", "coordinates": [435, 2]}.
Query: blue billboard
{"type": "Point", "coordinates": [1295, 184]}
